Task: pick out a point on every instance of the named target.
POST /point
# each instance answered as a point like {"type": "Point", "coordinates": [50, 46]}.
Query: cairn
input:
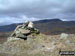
{"type": "Point", "coordinates": [24, 30]}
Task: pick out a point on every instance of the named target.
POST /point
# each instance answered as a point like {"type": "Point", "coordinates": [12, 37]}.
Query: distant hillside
{"type": "Point", "coordinates": [54, 26]}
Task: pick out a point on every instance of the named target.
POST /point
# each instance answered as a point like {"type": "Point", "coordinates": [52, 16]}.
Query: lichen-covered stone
{"type": "Point", "coordinates": [64, 36]}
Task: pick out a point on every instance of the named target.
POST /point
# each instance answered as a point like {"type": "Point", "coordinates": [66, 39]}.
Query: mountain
{"type": "Point", "coordinates": [47, 20]}
{"type": "Point", "coordinates": [47, 26]}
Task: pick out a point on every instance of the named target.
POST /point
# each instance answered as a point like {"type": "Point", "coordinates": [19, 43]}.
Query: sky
{"type": "Point", "coordinates": [17, 11]}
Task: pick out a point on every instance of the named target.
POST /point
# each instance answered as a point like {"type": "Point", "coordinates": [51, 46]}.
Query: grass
{"type": "Point", "coordinates": [37, 46]}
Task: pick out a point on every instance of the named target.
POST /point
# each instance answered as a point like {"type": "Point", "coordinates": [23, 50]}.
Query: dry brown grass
{"type": "Point", "coordinates": [39, 45]}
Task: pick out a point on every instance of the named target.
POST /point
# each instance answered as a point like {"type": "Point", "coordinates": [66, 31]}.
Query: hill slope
{"type": "Point", "coordinates": [54, 26]}
{"type": "Point", "coordinates": [38, 45]}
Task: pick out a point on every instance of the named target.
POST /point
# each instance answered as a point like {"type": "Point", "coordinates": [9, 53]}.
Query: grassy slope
{"type": "Point", "coordinates": [3, 36]}
{"type": "Point", "coordinates": [40, 45]}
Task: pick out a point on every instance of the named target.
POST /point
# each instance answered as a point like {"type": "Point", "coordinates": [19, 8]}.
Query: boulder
{"type": "Point", "coordinates": [64, 36]}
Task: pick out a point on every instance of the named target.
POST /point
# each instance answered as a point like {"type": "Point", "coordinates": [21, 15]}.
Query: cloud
{"type": "Point", "coordinates": [9, 20]}
{"type": "Point", "coordinates": [20, 10]}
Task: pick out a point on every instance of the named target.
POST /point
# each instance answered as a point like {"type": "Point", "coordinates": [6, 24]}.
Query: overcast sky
{"type": "Point", "coordinates": [16, 11]}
